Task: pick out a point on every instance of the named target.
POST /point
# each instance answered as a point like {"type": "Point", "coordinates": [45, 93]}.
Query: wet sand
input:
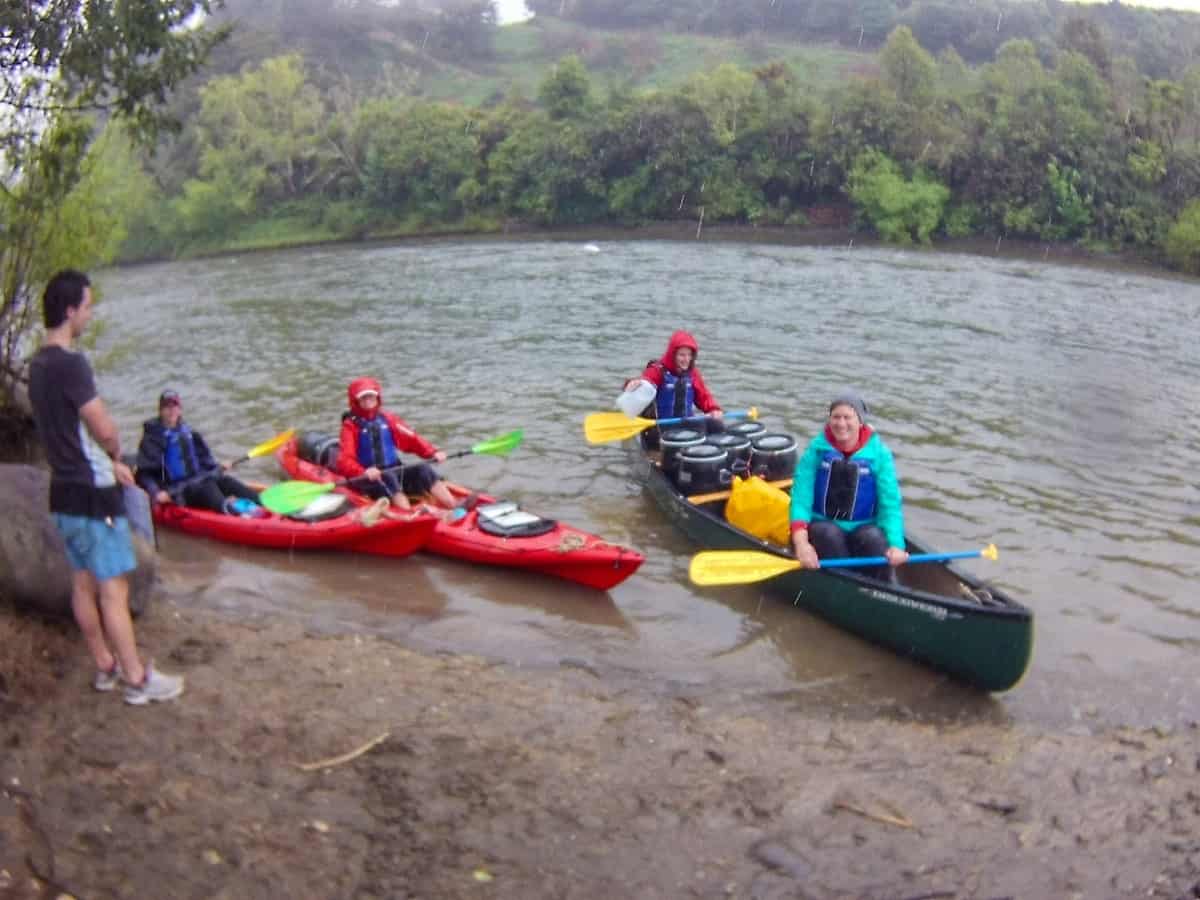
{"type": "Point", "coordinates": [447, 775]}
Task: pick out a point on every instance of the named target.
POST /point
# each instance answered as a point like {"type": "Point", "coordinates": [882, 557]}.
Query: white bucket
{"type": "Point", "coordinates": [637, 398]}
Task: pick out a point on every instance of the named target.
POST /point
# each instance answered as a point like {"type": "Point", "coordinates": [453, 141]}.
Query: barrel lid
{"type": "Point", "coordinates": [774, 443]}
{"type": "Point", "coordinates": [681, 436]}
{"type": "Point", "coordinates": [730, 441]}
{"type": "Point", "coordinates": [746, 428]}
{"type": "Point", "coordinates": [703, 452]}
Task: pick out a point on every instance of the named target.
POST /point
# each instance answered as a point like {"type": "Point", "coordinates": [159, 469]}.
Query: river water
{"type": "Point", "coordinates": [1047, 408]}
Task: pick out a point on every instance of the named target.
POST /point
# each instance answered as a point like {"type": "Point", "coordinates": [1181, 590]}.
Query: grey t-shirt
{"type": "Point", "coordinates": [82, 481]}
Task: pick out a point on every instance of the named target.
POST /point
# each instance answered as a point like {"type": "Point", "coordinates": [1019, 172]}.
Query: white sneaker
{"type": "Point", "coordinates": [107, 681]}
{"type": "Point", "coordinates": [155, 686]}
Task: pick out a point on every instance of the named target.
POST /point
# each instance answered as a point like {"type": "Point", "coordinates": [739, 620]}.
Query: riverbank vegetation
{"type": "Point", "coordinates": [63, 192]}
{"type": "Point", "coordinates": [1050, 135]}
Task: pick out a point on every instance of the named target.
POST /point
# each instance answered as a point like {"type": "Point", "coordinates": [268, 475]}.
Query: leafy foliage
{"type": "Point", "coordinates": [900, 209]}
{"type": "Point", "coordinates": [1161, 42]}
{"type": "Point", "coordinates": [1183, 240]}
{"type": "Point", "coordinates": [63, 62]}
{"type": "Point", "coordinates": [1067, 144]}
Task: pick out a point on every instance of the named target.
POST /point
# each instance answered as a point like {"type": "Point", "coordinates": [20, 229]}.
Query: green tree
{"type": "Point", "coordinates": [656, 156]}
{"type": "Point", "coordinates": [908, 68]}
{"type": "Point", "coordinates": [900, 209]}
{"type": "Point", "coordinates": [1085, 36]}
{"type": "Point", "coordinates": [566, 92]}
{"type": "Point", "coordinates": [547, 172]}
{"type": "Point", "coordinates": [417, 157]}
{"type": "Point", "coordinates": [260, 143]}
{"type": "Point", "coordinates": [726, 96]}
{"type": "Point", "coordinates": [464, 29]}
{"type": "Point", "coordinates": [1071, 211]}
{"type": "Point", "coordinates": [1183, 240]}
{"type": "Point", "coordinates": [1163, 113]}
{"type": "Point", "coordinates": [776, 151]}
{"type": "Point", "coordinates": [61, 62]}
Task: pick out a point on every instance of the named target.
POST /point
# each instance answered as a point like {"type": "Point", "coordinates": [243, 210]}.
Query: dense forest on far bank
{"type": "Point", "coordinates": [319, 121]}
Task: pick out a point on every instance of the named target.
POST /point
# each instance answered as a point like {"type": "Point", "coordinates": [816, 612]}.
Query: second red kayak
{"type": "Point", "coordinates": [350, 531]}
{"type": "Point", "coordinates": [500, 533]}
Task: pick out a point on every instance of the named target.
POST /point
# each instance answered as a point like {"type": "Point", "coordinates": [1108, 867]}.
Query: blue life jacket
{"type": "Point", "coordinates": [179, 456]}
{"type": "Point", "coordinates": [675, 396]}
{"type": "Point", "coordinates": [375, 444]}
{"type": "Point", "coordinates": [844, 489]}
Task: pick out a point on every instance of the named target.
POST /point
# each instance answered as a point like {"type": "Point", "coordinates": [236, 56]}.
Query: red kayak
{"type": "Point", "coordinates": [345, 531]}
{"type": "Point", "coordinates": [500, 533]}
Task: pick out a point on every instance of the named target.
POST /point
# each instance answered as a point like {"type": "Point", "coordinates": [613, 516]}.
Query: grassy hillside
{"type": "Point", "coordinates": [526, 51]}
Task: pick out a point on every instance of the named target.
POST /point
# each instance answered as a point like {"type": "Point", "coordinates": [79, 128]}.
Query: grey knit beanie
{"type": "Point", "coordinates": [852, 399]}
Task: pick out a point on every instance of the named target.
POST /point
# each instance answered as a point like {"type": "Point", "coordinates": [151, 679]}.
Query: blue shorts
{"type": "Point", "coordinates": [93, 545]}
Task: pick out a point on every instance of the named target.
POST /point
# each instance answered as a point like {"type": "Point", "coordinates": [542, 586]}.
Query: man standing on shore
{"type": "Point", "coordinates": [87, 503]}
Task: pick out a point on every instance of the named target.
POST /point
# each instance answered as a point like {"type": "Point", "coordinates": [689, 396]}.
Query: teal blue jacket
{"type": "Point", "coordinates": [889, 509]}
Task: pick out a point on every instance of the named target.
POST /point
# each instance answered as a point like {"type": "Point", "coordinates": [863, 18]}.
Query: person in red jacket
{"type": "Point", "coordinates": [680, 388]}
{"type": "Point", "coordinates": [372, 440]}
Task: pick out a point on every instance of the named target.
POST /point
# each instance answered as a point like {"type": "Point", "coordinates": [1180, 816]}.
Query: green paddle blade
{"type": "Point", "coordinates": [499, 446]}
{"type": "Point", "coordinates": [288, 497]}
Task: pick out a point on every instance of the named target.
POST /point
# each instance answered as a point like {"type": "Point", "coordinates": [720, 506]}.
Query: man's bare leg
{"type": "Point", "coordinates": [118, 627]}
{"type": "Point", "coordinates": [87, 616]}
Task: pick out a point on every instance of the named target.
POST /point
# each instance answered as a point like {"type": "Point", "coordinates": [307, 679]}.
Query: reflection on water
{"type": "Point", "coordinates": [1044, 408]}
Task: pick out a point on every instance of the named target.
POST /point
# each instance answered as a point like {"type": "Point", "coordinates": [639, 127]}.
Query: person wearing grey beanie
{"type": "Point", "coordinates": [845, 494]}
{"type": "Point", "coordinates": [847, 397]}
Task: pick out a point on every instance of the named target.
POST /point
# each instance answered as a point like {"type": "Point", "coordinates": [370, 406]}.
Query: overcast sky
{"type": "Point", "coordinates": [510, 11]}
{"type": "Point", "coordinates": [1192, 5]}
{"type": "Point", "coordinates": [514, 10]}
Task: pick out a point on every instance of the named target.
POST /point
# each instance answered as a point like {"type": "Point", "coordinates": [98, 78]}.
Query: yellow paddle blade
{"type": "Point", "coordinates": [752, 413]}
{"type": "Point", "coordinates": [602, 427]}
{"type": "Point", "coordinates": [272, 445]}
{"type": "Point", "coordinates": [737, 566]}
{"type": "Point", "coordinates": [990, 552]}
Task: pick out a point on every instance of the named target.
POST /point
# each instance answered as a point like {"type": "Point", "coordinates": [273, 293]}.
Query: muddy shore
{"type": "Point", "coordinates": [298, 765]}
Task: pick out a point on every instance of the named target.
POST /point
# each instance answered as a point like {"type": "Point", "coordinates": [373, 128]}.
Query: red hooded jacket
{"type": "Point", "coordinates": [406, 440]}
{"type": "Point", "coordinates": [705, 401]}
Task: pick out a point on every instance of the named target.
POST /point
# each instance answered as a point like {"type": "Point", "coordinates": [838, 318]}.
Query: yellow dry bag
{"type": "Point", "coordinates": [760, 509]}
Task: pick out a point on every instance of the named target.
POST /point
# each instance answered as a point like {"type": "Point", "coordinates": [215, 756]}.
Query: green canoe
{"type": "Point", "coordinates": [937, 615]}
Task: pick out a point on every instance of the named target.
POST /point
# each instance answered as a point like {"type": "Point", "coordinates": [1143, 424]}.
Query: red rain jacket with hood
{"type": "Point", "coordinates": [406, 440]}
{"type": "Point", "coordinates": [705, 401]}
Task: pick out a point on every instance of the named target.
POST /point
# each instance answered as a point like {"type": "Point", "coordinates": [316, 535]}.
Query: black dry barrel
{"type": "Point", "coordinates": [703, 468]}
{"type": "Point", "coordinates": [673, 442]}
{"type": "Point", "coordinates": [738, 447]}
{"type": "Point", "coordinates": [773, 456]}
{"type": "Point", "coordinates": [318, 447]}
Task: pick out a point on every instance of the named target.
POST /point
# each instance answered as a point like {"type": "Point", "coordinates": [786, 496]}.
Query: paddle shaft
{"type": "Point", "coordinates": [342, 482]}
{"type": "Point", "coordinates": [176, 488]}
{"type": "Point", "coordinates": [723, 567]}
{"type": "Point", "coordinates": [724, 495]}
{"type": "Point", "coordinates": [738, 414]}
{"type": "Point", "coordinates": [850, 561]}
